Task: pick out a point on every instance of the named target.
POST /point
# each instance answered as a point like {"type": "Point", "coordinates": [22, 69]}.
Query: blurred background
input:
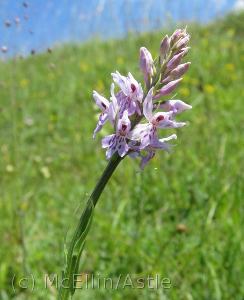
{"type": "Point", "coordinates": [182, 217]}
{"type": "Point", "coordinates": [44, 23]}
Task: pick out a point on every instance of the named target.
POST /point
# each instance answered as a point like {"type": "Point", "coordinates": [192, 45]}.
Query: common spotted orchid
{"type": "Point", "coordinates": [135, 114]}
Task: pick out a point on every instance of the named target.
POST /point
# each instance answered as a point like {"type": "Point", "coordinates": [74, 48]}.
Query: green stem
{"type": "Point", "coordinates": [84, 219]}
{"type": "Point", "coordinates": [112, 165]}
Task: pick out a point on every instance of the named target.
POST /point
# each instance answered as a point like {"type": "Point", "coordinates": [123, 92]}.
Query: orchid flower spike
{"type": "Point", "coordinates": [135, 113]}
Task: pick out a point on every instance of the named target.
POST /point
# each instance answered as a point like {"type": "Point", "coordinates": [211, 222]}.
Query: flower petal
{"type": "Point", "coordinates": [115, 142]}
{"type": "Point", "coordinates": [138, 93]}
{"type": "Point", "coordinates": [137, 133]}
{"type": "Point", "coordinates": [113, 106]}
{"type": "Point", "coordinates": [177, 106]}
{"type": "Point", "coordinates": [123, 148]}
{"type": "Point", "coordinates": [102, 119]}
{"type": "Point", "coordinates": [106, 141]}
{"type": "Point", "coordinates": [150, 137]}
{"type": "Point", "coordinates": [145, 160]}
{"type": "Point", "coordinates": [135, 154]}
{"type": "Point", "coordinates": [173, 136]}
{"type": "Point", "coordinates": [148, 105]}
{"type": "Point", "coordinates": [120, 80]}
{"type": "Point", "coordinates": [101, 102]}
{"type": "Point", "coordinates": [171, 124]}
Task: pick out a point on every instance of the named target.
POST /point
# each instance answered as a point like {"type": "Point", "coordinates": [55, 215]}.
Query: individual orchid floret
{"type": "Point", "coordinates": [130, 87]}
{"type": "Point", "coordinates": [131, 93]}
{"type": "Point", "coordinates": [177, 72]}
{"type": "Point", "coordinates": [167, 89]}
{"type": "Point", "coordinates": [117, 142]}
{"type": "Point", "coordinates": [147, 133]}
{"type": "Point", "coordinates": [146, 62]}
{"type": "Point", "coordinates": [164, 48]}
{"type": "Point", "coordinates": [152, 148]}
{"type": "Point", "coordinates": [176, 106]}
{"type": "Point", "coordinates": [103, 104]}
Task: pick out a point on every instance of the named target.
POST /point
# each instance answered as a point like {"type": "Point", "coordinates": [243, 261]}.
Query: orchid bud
{"type": "Point", "coordinates": [179, 33]}
{"type": "Point", "coordinates": [174, 62]}
{"type": "Point", "coordinates": [178, 72]}
{"type": "Point", "coordinates": [146, 62]}
{"type": "Point", "coordinates": [185, 50]}
{"type": "Point", "coordinates": [164, 48]}
{"type": "Point", "coordinates": [167, 89]}
{"type": "Point", "coordinates": [182, 42]}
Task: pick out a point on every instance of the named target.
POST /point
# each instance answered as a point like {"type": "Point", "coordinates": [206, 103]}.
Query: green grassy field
{"type": "Point", "coordinates": [181, 218]}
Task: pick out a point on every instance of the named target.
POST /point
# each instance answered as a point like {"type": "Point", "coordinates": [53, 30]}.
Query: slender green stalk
{"type": "Point", "coordinates": [73, 257]}
{"type": "Point", "coordinates": [112, 165]}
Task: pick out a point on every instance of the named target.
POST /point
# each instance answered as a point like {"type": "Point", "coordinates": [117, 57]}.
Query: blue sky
{"type": "Point", "coordinates": [53, 21]}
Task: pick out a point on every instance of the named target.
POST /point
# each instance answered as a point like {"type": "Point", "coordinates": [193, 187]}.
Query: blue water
{"type": "Point", "coordinates": [81, 20]}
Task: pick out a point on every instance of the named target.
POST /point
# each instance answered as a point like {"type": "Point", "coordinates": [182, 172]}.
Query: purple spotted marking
{"type": "Point", "coordinates": [133, 87]}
